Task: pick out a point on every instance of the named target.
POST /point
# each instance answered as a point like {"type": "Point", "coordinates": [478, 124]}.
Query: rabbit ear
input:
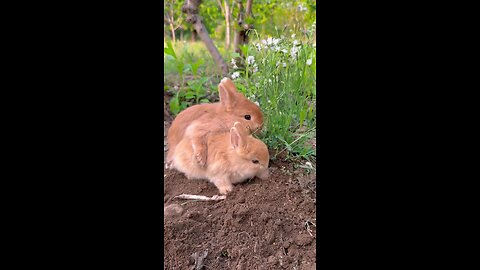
{"type": "Point", "coordinates": [242, 130]}
{"type": "Point", "coordinates": [227, 98]}
{"type": "Point", "coordinates": [237, 138]}
{"type": "Point", "coordinates": [229, 85]}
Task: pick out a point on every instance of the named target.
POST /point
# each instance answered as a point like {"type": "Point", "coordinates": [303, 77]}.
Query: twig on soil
{"type": "Point", "coordinates": [246, 233]}
{"type": "Point", "coordinates": [199, 260]}
{"type": "Point", "coordinates": [307, 225]}
{"type": "Point", "coordinates": [200, 197]}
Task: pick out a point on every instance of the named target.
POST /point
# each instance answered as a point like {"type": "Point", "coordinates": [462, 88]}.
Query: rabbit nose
{"type": "Point", "coordinates": [264, 175]}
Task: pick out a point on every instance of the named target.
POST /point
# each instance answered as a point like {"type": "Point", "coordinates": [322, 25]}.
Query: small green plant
{"type": "Point", "coordinates": [194, 90]}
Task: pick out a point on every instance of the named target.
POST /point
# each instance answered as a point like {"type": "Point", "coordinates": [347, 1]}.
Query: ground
{"type": "Point", "coordinates": [262, 224]}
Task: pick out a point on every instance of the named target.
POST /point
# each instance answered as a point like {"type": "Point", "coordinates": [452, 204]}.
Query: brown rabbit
{"type": "Point", "coordinates": [214, 117]}
{"type": "Point", "coordinates": [234, 156]}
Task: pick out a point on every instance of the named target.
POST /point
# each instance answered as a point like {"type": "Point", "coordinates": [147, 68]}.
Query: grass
{"type": "Point", "coordinates": [280, 74]}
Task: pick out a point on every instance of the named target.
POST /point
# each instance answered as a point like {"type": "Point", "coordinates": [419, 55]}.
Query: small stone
{"type": "Point", "coordinates": [172, 210]}
{"type": "Point", "coordinates": [270, 237]}
{"type": "Point", "coordinates": [271, 260]}
{"type": "Point", "coordinates": [303, 239]}
{"type": "Point", "coordinates": [241, 199]}
{"type": "Point", "coordinates": [241, 266]}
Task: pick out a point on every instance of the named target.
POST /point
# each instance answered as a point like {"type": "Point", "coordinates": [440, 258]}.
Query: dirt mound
{"type": "Point", "coordinates": [263, 224]}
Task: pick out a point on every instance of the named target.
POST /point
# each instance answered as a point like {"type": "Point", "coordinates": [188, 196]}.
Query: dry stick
{"type": "Point", "coordinates": [199, 260]}
{"type": "Point", "coordinates": [200, 197]}
{"type": "Point", "coordinates": [308, 227]}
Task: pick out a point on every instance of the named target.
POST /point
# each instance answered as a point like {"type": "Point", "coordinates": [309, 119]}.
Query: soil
{"type": "Point", "coordinates": [262, 224]}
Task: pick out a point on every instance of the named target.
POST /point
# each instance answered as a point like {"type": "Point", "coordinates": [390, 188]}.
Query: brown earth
{"type": "Point", "coordinates": [262, 224]}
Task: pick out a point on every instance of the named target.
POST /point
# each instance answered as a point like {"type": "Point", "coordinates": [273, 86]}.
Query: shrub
{"type": "Point", "coordinates": [280, 74]}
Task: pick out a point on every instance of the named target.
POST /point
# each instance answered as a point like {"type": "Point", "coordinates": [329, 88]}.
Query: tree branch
{"type": "Point", "coordinates": [191, 8]}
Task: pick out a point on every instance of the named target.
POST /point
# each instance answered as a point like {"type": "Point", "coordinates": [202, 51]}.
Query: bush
{"type": "Point", "coordinates": [280, 74]}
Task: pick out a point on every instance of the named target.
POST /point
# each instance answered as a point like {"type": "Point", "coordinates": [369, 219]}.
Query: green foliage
{"type": "Point", "coordinates": [195, 90]}
{"type": "Point", "coordinates": [280, 74]}
{"type": "Point", "coordinates": [269, 17]}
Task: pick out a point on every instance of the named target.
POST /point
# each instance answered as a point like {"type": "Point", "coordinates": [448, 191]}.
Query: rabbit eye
{"type": "Point", "coordinates": [248, 117]}
{"type": "Point", "coordinates": [255, 161]}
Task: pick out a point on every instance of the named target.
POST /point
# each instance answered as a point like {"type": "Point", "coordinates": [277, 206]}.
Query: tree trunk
{"type": "Point", "coordinates": [241, 36]}
{"type": "Point", "coordinates": [248, 11]}
{"type": "Point", "coordinates": [194, 35]}
{"type": "Point", "coordinates": [172, 29]}
{"type": "Point", "coordinates": [227, 24]}
{"type": "Point", "coordinates": [191, 9]}
{"type": "Point", "coordinates": [226, 13]}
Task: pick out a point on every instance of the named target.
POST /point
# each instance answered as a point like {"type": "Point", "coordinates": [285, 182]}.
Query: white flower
{"type": "Point", "coordinates": [250, 59]}
{"type": "Point", "coordinates": [284, 64]}
{"type": "Point", "coordinates": [264, 41]}
{"type": "Point", "coordinates": [295, 42]}
{"type": "Point", "coordinates": [285, 51]}
{"type": "Point", "coordinates": [293, 36]}
{"type": "Point", "coordinates": [301, 7]}
{"type": "Point", "coordinates": [257, 85]}
{"type": "Point", "coordinates": [235, 75]}
{"type": "Point", "coordinates": [255, 68]}
{"type": "Point", "coordinates": [234, 63]}
{"type": "Point", "coordinates": [256, 102]}
{"type": "Point", "coordinates": [269, 41]}
{"type": "Point", "coordinates": [276, 41]}
{"type": "Point", "coordinates": [293, 52]}
{"type": "Point", "coordinates": [309, 62]}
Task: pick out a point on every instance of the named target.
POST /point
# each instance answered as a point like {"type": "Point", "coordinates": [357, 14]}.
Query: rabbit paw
{"type": "Point", "coordinates": [224, 189]}
{"type": "Point", "coordinates": [201, 159]}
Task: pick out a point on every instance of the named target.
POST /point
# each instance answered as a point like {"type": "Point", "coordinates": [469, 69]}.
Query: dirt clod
{"type": "Point", "coordinates": [303, 239]}
{"type": "Point", "coordinates": [172, 210]}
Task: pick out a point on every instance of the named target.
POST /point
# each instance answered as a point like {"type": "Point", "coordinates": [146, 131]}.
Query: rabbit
{"type": "Point", "coordinates": [233, 107]}
{"type": "Point", "coordinates": [234, 156]}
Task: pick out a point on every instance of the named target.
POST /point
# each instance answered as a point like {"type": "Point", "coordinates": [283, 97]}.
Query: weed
{"type": "Point", "coordinates": [194, 91]}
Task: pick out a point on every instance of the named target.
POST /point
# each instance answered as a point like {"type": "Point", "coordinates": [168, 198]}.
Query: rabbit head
{"type": "Point", "coordinates": [239, 107]}
{"type": "Point", "coordinates": [252, 156]}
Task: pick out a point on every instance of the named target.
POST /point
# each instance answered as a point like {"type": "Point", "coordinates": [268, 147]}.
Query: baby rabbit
{"type": "Point", "coordinates": [234, 156]}
{"type": "Point", "coordinates": [213, 117]}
